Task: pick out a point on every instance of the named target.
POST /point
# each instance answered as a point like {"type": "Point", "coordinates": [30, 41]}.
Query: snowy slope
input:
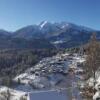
{"type": "Point", "coordinates": [48, 78]}
{"type": "Point", "coordinates": [50, 72]}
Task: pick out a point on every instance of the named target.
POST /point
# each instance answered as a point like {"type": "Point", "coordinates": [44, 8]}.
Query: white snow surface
{"type": "Point", "coordinates": [43, 24]}
{"type": "Point", "coordinates": [49, 73]}
{"type": "Point", "coordinates": [15, 95]}
{"type": "Point", "coordinates": [59, 42]}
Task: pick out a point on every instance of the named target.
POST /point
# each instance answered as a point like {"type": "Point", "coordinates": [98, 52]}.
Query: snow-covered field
{"type": "Point", "coordinates": [50, 73]}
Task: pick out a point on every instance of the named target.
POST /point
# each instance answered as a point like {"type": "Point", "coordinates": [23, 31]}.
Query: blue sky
{"type": "Point", "coordinates": [15, 14]}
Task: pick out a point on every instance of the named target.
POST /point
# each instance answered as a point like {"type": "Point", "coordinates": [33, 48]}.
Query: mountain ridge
{"type": "Point", "coordinates": [62, 22]}
{"type": "Point", "coordinates": [59, 35]}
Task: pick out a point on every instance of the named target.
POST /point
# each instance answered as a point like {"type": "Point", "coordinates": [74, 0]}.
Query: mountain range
{"type": "Point", "coordinates": [47, 35]}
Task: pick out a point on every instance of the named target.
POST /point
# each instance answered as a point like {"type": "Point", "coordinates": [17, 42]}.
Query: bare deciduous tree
{"type": "Point", "coordinates": [93, 58]}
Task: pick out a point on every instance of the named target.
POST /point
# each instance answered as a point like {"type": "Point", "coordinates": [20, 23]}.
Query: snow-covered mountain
{"type": "Point", "coordinates": [49, 29]}
{"type": "Point", "coordinates": [62, 34]}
